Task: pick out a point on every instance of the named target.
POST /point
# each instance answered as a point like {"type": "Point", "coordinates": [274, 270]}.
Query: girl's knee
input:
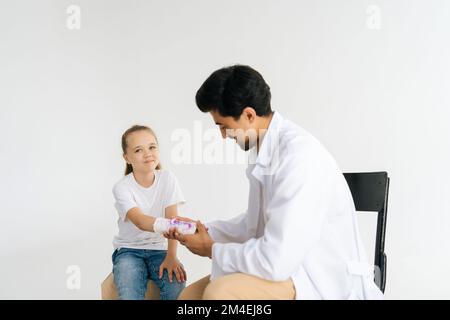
{"type": "Point", "coordinates": [170, 290]}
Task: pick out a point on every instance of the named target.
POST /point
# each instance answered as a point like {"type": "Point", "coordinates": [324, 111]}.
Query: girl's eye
{"type": "Point", "coordinates": [138, 150]}
{"type": "Point", "coordinates": [152, 147]}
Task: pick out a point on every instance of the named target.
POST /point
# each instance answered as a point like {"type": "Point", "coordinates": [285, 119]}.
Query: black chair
{"type": "Point", "coordinates": [370, 193]}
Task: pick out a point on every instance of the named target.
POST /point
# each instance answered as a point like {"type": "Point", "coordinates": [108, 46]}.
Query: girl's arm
{"type": "Point", "coordinates": [146, 223]}
{"type": "Point", "coordinates": [141, 220]}
{"type": "Point", "coordinates": [171, 263]}
{"type": "Point", "coordinates": [172, 212]}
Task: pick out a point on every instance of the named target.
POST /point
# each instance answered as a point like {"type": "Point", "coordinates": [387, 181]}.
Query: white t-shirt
{"type": "Point", "coordinates": [153, 201]}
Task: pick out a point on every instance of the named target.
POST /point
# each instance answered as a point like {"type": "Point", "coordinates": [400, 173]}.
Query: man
{"type": "Point", "coordinates": [298, 238]}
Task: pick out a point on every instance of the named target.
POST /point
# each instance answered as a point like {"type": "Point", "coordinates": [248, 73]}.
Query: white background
{"type": "Point", "coordinates": [377, 99]}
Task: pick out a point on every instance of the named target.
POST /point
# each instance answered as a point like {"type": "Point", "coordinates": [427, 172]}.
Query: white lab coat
{"type": "Point", "coordinates": [300, 222]}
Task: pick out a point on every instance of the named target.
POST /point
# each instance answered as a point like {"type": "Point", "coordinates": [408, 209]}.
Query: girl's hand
{"type": "Point", "coordinates": [173, 265]}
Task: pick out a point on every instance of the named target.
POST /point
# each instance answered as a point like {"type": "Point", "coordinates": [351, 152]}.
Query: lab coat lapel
{"type": "Point", "coordinates": [269, 153]}
{"type": "Point", "coordinates": [259, 175]}
{"type": "Point", "coordinates": [253, 201]}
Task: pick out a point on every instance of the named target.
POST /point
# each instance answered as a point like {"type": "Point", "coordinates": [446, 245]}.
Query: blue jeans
{"type": "Point", "coordinates": [132, 269]}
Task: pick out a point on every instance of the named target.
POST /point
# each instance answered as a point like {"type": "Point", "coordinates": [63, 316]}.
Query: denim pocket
{"type": "Point", "coordinates": [114, 255]}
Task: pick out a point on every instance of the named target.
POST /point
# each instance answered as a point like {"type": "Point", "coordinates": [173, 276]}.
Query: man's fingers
{"type": "Point", "coordinates": [185, 239]}
{"type": "Point", "coordinates": [180, 237]}
{"type": "Point", "coordinates": [201, 227]}
{"type": "Point", "coordinates": [171, 233]}
{"type": "Point", "coordinates": [170, 272]}
{"type": "Point", "coordinates": [161, 271]}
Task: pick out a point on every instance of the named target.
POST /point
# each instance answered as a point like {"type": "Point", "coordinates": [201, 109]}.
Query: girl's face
{"type": "Point", "coordinates": [142, 151]}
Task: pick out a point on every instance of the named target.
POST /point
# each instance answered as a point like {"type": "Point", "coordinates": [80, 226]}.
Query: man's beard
{"type": "Point", "coordinates": [246, 145]}
{"type": "Point", "coordinates": [247, 141]}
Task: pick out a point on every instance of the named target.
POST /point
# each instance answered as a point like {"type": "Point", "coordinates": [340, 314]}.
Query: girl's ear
{"type": "Point", "coordinates": [126, 158]}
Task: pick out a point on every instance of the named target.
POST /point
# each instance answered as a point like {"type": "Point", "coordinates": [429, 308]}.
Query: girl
{"type": "Point", "coordinates": [143, 198]}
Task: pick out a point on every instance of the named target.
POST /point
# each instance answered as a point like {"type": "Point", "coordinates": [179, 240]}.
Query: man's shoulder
{"type": "Point", "coordinates": [300, 146]}
{"type": "Point", "coordinates": [292, 136]}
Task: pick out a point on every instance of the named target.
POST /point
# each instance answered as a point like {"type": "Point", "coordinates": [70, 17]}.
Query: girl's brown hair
{"type": "Point", "coordinates": [129, 167]}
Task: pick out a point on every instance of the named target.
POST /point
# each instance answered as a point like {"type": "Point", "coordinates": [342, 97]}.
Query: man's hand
{"type": "Point", "coordinates": [171, 233]}
{"type": "Point", "coordinates": [199, 243]}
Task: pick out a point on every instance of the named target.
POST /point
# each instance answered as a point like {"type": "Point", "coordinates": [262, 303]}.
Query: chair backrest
{"type": "Point", "coordinates": [370, 193]}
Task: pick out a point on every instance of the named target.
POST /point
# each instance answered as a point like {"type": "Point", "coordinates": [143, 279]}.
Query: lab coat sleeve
{"type": "Point", "coordinates": [294, 221]}
{"type": "Point", "coordinates": [233, 230]}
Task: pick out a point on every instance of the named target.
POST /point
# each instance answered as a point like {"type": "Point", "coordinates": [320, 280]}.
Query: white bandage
{"type": "Point", "coordinates": [162, 225]}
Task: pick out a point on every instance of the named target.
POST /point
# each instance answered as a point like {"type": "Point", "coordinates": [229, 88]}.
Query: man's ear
{"type": "Point", "coordinates": [250, 114]}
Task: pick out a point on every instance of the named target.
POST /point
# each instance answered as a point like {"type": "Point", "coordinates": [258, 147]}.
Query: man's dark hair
{"type": "Point", "coordinates": [229, 90]}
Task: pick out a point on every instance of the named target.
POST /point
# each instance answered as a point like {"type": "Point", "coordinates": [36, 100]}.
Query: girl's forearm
{"type": "Point", "coordinates": [141, 220]}
{"type": "Point", "coordinates": [172, 249]}
{"type": "Point", "coordinates": [148, 223]}
{"type": "Point", "coordinates": [172, 212]}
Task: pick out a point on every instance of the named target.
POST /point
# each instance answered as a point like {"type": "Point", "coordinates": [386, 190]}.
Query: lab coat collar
{"type": "Point", "coordinates": [268, 156]}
